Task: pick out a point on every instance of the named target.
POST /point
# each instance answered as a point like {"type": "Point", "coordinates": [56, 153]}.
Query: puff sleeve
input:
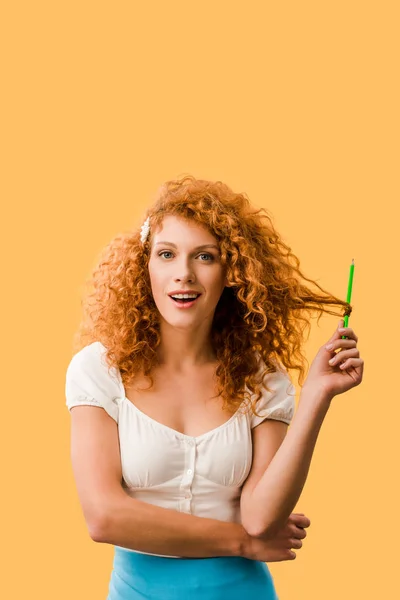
{"type": "Point", "coordinates": [278, 404]}
{"type": "Point", "coordinates": [89, 382]}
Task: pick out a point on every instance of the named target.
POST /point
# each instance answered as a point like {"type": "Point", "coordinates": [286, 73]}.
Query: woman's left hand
{"type": "Point", "coordinates": [336, 372]}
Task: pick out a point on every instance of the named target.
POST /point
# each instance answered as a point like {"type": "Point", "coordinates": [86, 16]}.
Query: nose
{"type": "Point", "coordinates": [188, 278]}
{"type": "Point", "coordinates": [187, 273]}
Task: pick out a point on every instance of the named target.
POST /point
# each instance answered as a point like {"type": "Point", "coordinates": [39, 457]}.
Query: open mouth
{"type": "Point", "coordinates": [185, 302]}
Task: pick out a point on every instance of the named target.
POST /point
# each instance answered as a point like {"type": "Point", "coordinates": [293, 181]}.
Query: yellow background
{"type": "Point", "coordinates": [295, 104]}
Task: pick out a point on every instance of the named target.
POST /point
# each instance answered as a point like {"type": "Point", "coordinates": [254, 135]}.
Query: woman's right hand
{"type": "Point", "coordinates": [279, 547]}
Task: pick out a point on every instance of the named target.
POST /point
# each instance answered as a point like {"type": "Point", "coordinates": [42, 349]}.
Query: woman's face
{"type": "Point", "coordinates": [178, 262]}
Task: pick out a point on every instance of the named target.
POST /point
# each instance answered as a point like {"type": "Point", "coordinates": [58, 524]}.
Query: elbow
{"type": "Point", "coordinates": [97, 524]}
{"type": "Point", "coordinates": [254, 521]}
{"type": "Point", "coordinates": [248, 527]}
{"type": "Point", "coordinates": [99, 519]}
{"type": "Point", "coordinates": [104, 522]}
{"type": "Point", "coordinates": [267, 531]}
{"type": "Point", "coordinates": [97, 530]}
{"type": "Point", "coordinates": [258, 527]}
{"type": "Point", "coordinates": [258, 530]}
{"type": "Point", "coordinates": [253, 528]}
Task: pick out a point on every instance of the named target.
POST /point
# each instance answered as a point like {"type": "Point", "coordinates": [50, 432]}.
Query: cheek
{"type": "Point", "coordinates": [159, 289]}
{"type": "Point", "coordinates": [155, 279]}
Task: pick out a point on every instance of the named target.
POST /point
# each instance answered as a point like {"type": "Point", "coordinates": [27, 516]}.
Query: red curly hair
{"type": "Point", "coordinates": [262, 315]}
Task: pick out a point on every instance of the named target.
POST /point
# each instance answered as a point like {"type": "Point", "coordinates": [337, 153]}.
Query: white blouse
{"type": "Point", "coordinates": [199, 475]}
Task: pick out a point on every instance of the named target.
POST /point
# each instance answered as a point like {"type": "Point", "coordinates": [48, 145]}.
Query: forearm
{"type": "Point", "coordinates": [277, 492]}
{"type": "Point", "coordinates": [138, 525]}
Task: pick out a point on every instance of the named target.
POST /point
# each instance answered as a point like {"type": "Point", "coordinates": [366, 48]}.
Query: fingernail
{"type": "Point", "coordinates": [329, 346]}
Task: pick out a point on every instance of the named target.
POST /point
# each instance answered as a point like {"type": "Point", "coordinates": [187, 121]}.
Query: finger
{"type": "Point", "coordinates": [352, 362]}
{"type": "Point", "coordinates": [348, 332]}
{"type": "Point", "coordinates": [343, 355]}
{"type": "Point", "coordinates": [301, 520]}
{"type": "Point", "coordinates": [337, 335]}
{"type": "Point", "coordinates": [340, 344]}
{"type": "Point", "coordinates": [299, 532]}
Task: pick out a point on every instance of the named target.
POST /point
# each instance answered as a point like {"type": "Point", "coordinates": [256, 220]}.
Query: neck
{"type": "Point", "coordinates": [183, 350]}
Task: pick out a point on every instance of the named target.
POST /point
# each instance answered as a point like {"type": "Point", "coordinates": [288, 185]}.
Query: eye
{"type": "Point", "coordinates": [206, 254]}
{"type": "Point", "coordinates": [202, 254]}
{"type": "Point", "coordinates": [165, 252]}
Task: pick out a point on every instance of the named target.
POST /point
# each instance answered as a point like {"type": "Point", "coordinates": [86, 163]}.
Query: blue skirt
{"type": "Point", "coordinates": [138, 576]}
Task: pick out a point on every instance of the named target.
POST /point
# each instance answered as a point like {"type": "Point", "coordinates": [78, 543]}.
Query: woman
{"type": "Point", "coordinates": [193, 478]}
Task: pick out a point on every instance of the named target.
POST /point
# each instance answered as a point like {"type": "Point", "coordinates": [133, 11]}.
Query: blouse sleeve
{"type": "Point", "coordinates": [278, 404]}
{"type": "Point", "coordinates": [89, 382]}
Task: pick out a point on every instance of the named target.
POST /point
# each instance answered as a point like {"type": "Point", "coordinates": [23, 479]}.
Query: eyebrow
{"type": "Point", "coordinates": [198, 247]}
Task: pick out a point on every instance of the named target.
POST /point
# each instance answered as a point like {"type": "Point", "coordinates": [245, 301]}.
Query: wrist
{"type": "Point", "coordinates": [242, 546]}
{"type": "Point", "coordinates": [314, 405]}
{"type": "Point", "coordinates": [317, 395]}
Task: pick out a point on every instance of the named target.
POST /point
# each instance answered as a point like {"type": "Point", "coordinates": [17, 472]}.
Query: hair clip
{"type": "Point", "coordinates": [145, 230]}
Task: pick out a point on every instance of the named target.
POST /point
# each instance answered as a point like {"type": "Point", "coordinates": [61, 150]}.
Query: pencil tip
{"type": "Point", "coordinates": [352, 261]}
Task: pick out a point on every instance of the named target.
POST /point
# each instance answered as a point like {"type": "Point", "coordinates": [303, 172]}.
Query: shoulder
{"type": "Point", "coordinates": [90, 355]}
{"type": "Point", "coordinates": [90, 381]}
{"type": "Point", "coordinates": [278, 401]}
{"type": "Point", "coordinates": [91, 360]}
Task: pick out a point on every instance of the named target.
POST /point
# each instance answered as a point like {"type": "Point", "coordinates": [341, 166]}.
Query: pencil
{"type": "Point", "coordinates": [349, 290]}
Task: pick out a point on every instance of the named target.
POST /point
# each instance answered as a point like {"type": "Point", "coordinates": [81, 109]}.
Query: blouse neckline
{"type": "Point", "coordinates": [179, 433]}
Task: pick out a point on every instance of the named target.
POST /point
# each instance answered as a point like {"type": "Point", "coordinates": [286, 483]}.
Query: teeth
{"type": "Point", "coordinates": [178, 296]}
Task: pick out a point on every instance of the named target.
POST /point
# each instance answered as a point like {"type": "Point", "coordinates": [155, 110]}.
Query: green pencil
{"type": "Point", "coordinates": [349, 289]}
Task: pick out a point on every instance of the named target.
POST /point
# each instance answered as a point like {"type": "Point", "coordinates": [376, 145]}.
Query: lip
{"type": "Point", "coordinates": [184, 292]}
{"type": "Point", "coordinates": [186, 304]}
